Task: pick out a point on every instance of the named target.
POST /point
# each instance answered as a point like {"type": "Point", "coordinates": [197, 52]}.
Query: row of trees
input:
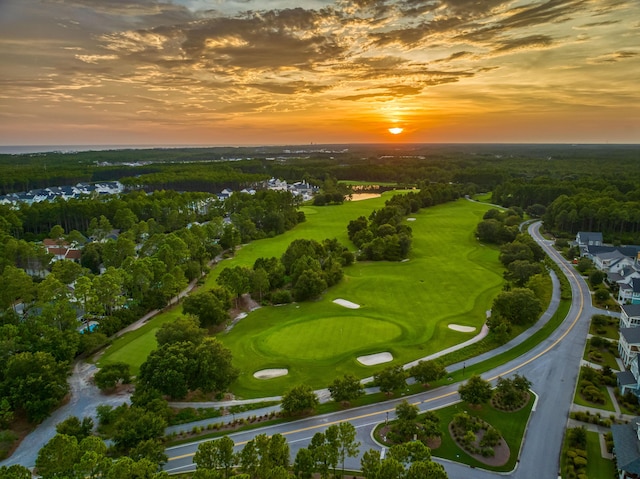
{"type": "Point", "coordinates": [383, 236]}
{"type": "Point", "coordinates": [499, 227]}
{"type": "Point", "coordinates": [331, 192]}
{"type": "Point", "coordinates": [304, 271]}
{"type": "Point", "coordinates": [302, 398]}
{"type": "Point", "coordinates": [615, 214]}
{"type": "Point", "coordinates": [520, 303]}
{"type": "Point", "coordinates": [267, 457]}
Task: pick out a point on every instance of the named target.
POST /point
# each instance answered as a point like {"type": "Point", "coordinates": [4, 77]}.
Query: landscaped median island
{"type": "Point", "coordinates": [484, 434]}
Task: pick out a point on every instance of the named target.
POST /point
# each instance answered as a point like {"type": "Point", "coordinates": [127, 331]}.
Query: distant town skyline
{"type": "Point", "coordinates": [251, 72]}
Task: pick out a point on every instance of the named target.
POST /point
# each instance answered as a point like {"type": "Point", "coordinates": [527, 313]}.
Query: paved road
{"type": "Point", "coordinates": [552, 367]}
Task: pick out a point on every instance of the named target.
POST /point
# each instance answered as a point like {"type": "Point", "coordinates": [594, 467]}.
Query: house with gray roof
{"type": "Point", "coordinates": [604, 261]}
{"type": "Point", "coordinates": [634, 292]}
{"type": "Point", "coordinates": [628, 287]}
{"type": "Point", "coordinates": [629, 381]}
{"type": "Point", "coordinates": [629, 345]}
{"type": "Point", "coordinates": [629, 316]}
{"type": "Point", "coordinates": [589, 238]}
{"type": "Point", "coordinates": [626, 447]}
{"type": "Point", "coordinates": [628, 348]}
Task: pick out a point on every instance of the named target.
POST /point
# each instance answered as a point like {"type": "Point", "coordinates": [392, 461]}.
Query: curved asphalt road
{"type": "Point", "coordinates": [552, 367]}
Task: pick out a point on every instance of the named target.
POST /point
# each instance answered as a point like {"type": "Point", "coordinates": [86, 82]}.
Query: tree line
{"type": "Point", "coordinates": [383, 235]}
{"type": "Point", "coordinates": [520, 302]}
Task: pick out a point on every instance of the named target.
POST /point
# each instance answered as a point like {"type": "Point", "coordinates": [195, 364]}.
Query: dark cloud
{"type": "Point", "coordinates": [378, 8]}
{"type": "Point", "coordinates": [616, 56]}
{"type": "Point", "coordinates": [601, 24]}
{"type": "Point", "coordinates": [290, 88]}
{"type": "Point", "coordinates": [415, 35]}
{"type": "Point", "coordinates": [526, 42]}
{"type": "Point", "coordinates": [455, 56]}
{"type": "Point", "coordinates": [268, 40]}
{"type": "Point", "coordinates": [553, 11]}
{"type": "Point", "coordinates": [472, 8]}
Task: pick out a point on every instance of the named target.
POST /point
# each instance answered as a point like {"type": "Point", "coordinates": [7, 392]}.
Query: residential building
{"type": "Point", "coordinates": [60, 250]}
{"type": "Point", "coordinates": [630, 316]}
{"type": "Point", "coordinates": [626, 447]}
{"type": "Point", "coordinates": [629, 345]}
{"type": "Point", "coordinates": [589, 238]}
{"type": "Point", "coordinates": [629, 381]}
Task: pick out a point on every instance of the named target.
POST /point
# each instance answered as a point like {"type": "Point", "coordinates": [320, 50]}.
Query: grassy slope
{"type": "Point", "coordinates": [406, 307]}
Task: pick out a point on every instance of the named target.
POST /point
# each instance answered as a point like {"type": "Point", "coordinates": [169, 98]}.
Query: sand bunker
{"type": "Point", "coordinates": [373, 359]}
{"type": "Point", "coordinates": [411, 219]}
{"type": "Point", "coordinates": [462, 329]}
{"type": "Point", "coordinates": [270, 373]}
{"type": "Point", "coordinates": [363, 196]}
{"type": "Point", "coordinates": [346, 304]}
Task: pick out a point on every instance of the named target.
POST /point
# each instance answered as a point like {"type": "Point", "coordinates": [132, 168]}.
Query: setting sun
{"type": "Point", "coordinates": [396, 130]}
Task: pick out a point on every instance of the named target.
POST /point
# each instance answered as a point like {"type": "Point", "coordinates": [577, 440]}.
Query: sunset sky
{"type": "Point", "coordinates": [250, 72]}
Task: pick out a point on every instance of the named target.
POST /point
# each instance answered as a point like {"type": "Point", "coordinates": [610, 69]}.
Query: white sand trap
{"type": "Point", "coordinates": [270, 373]}
{"type": "Point", "coordinates": [364, 196]}
{"type": "Point", "coordinates": [346, 304]}
{"type": "Point", "coordinates": [373, 359]}
{"type": "Point", "coordinates": [462, 329]}
{"type": "Point", "coordinates": [411, 219]}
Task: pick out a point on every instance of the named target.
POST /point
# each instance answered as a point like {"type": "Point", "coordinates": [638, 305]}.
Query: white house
{"type": "Point", "coordinates": [629, 345]}
{"type": "Point", "coordinates": [630, 316]}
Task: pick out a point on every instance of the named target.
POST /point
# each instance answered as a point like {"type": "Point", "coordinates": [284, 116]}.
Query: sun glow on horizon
{"type": "Point", "coordinates": [396, 130]}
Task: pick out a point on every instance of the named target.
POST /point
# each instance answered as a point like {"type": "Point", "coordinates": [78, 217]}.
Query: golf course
{"type": "Point", "coordinates": [404, 308]}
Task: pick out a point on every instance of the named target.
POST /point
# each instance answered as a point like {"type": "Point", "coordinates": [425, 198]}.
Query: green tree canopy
{"type": "Point", "coordinates": [346, 389]}
{"type": "Point", "coordinates": [391, 379]}
{"type": "Point", "coordinates": [475, 391]}
{"type": "Point", "coordinates": [518, 306]}
{"type": "Point", "coordinates": [299, 399]}
{"type": "Point", "coordinates": [35, 382]}
{"type": "Point", "coordinates": [427, 371]}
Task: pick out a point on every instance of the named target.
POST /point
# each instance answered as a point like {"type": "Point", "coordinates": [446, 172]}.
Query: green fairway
{"type": "Point", "coordinates": [134, 347]}
{"type": "Point", "coordinates": [405, 308]}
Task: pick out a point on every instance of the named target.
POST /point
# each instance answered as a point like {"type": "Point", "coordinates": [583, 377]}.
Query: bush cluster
{"type": "Point", "coordinates": [586, 416]}
{"type": "Point", "coordinates": [475, 435]}
{"type": "Point", "coordinates": [575, 465]}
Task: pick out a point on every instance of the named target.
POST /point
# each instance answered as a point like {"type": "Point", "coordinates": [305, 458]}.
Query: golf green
{"type": "Point", "coordinates": [325, 338]}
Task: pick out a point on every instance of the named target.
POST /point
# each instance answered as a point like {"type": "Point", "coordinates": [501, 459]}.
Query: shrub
{"type": "Point", "coordinates": [487, 452]}
{"type": "Point", "coordinates": [281, 296]}
{"type": "Point", "coordinates": [491, 437]}
{"type": "Point", "coordinates": [580, 461]}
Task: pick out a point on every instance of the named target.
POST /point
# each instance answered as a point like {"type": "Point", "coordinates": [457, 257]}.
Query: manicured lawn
{"type": "Point", "coordinates": [608, 358]}
{"type": "Point", "coordinates": [134, 347]}
{"type": "Point", "coordinates": [597, 466]}
{"type": "Point", "coordinates": [578, 399]}
{"type": "Point", "coordinates": [405, 307]}
{"type": "Point", "coordinates": [483, 197]}
{"type": "Point", "coordinates": [608, 330]}
{"type": "Point", "coordinates": [511, 425]}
